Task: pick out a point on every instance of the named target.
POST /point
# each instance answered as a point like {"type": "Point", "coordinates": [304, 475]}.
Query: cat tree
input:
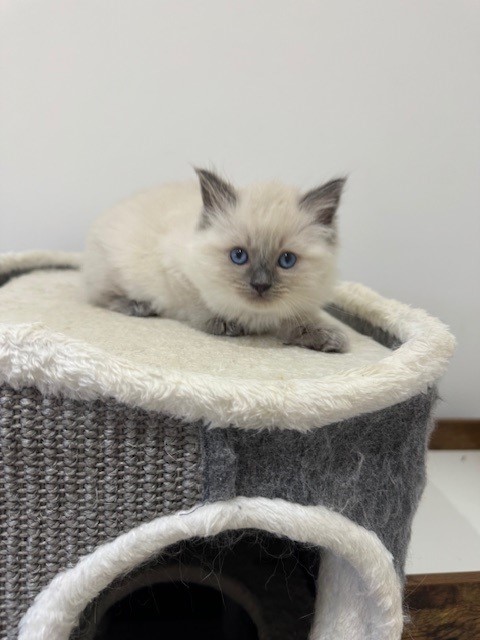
{"type": "Point", "coordinates": [133, 449]}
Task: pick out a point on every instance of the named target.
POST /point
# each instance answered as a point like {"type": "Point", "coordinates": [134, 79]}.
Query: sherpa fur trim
{"type": "Point", "coordinates": [359, 570]}
{"type": "Point", "coordinates": [31, 353]}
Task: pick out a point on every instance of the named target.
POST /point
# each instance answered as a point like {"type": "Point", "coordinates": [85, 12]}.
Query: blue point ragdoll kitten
{"type": "Point", "coordinates": [227, 261]}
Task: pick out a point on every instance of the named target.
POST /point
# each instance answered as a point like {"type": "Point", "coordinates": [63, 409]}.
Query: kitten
{"type": "Point", "coordinates": [228, 261]}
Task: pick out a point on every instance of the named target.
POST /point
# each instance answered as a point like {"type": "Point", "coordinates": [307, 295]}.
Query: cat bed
{"type": "Point", "coordinates": [123, 439]}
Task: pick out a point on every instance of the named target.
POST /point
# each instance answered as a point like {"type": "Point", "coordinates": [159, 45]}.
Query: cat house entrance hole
{"type": "Point", "coordinates": [177, 611]}
{"type": "Point", "coordinates": [252, 586]}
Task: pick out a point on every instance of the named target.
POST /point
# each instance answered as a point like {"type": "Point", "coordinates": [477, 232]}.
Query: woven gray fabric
{"type": "Point", "coordinates": [76, 474]}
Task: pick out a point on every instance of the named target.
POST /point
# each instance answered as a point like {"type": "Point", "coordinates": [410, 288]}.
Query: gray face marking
{"type": "Point", "coordinates": [260, 275]}
{"type": "Point", "coordinates": [261, 279]}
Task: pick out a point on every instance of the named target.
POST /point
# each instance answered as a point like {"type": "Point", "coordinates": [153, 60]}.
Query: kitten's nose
{"type": "Point", "coordinates": [261, 287]}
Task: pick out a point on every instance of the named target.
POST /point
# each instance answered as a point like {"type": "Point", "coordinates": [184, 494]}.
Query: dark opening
{"type": "Point", "coordinates": [177, 611]}
{"type": "Point", "coordinates": [235, 586]}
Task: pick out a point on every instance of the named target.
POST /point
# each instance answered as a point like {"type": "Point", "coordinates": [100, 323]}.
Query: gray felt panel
{"type": "Point", "coordinates": [370, 468]}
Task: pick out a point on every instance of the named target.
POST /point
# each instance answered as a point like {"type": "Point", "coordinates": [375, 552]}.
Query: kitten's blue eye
{"type": "Point", "coordinates": [238, 256]}
{"type": "Point", "coordinates": [287, 260]}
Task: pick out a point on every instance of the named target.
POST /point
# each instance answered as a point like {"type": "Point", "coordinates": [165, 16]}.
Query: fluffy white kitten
{"type": "Point", "coordinates": [228, 261]}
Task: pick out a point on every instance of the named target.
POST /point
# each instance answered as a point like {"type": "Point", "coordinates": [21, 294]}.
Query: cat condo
{"type": "Point", "coordinates": [161, 482]}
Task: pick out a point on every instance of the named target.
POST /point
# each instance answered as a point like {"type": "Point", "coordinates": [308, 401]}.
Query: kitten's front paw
{"type": "Point", "coordinates": [129, 307]}
{"type": "Point", "coordinates": [319, 338]}
{"type": "Point", "coordinates": [220, 327]}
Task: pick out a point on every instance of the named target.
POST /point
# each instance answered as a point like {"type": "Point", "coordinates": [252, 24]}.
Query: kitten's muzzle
{"type": "Point", "coordinates": [261, 287]}
{"type": "Point", "coordinates": [261, 279]}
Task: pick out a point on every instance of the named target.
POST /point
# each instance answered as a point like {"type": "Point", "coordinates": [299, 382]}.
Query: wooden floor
{"type": "Point", "coordinates": [443, 607]}
{"type": "Point", "coordinates": [446, 606]}
{"type": "Point", "coordinates": [456, 434]}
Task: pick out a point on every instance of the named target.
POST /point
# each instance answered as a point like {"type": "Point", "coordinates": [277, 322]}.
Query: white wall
{"type": "Point", "coordinates": [100, 98]}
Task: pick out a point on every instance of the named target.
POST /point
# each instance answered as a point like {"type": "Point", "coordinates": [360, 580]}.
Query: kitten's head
{"type": "Point", "coordinates": [265, 253]}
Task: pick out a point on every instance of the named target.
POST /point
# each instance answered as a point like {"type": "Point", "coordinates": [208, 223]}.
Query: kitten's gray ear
{"type": "Point", "coordinates": [217, 195]}
{"type": "Point", "coordinates": [323, 201]}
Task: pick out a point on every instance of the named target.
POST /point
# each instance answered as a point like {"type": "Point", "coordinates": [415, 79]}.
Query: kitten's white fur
{"type": "Point", "coordinates": [151, 249]}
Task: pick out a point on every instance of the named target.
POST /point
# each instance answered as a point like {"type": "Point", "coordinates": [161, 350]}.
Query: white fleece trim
{"type": "Point", "coordinates": [366, 570]}
{"type": "Point", "coordinates": [32, 354]}
{"type": "Point", "coordinates": [342, 611]}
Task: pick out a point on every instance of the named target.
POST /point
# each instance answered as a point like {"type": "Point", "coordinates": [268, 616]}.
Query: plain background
{"type": "Point", "coordinates": [102, 98]}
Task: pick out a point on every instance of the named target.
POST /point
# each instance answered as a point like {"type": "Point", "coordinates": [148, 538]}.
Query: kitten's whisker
{"type": "Point", "coordinates": [292, 310]}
